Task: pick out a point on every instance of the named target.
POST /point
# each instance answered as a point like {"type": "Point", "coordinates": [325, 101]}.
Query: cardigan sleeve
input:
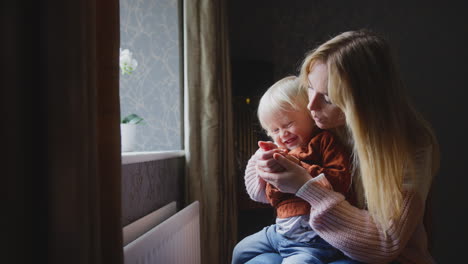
{"type": "Point", "coordinates": [254, 185]}
{"type": "Point", "coordinates": [353, 231]}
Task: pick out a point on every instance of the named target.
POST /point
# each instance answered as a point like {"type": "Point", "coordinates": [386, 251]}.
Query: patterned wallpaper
{"type": "Point", "coordinates": [150, 30]}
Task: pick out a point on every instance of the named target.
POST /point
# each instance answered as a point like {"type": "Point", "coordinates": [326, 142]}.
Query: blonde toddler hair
{"type": "Point", "coordinates": [283, 96]}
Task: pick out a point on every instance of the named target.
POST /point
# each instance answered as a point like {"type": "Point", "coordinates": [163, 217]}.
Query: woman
{"type": "Point", "coordinates": [355, 90]}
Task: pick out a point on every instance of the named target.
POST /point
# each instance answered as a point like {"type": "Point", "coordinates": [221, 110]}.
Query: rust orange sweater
{"type": "Point", "coordinates": [323, 154]}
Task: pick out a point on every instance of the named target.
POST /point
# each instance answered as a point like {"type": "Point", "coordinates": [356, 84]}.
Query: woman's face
{"type": "Point", "coordinates": [325, 114]}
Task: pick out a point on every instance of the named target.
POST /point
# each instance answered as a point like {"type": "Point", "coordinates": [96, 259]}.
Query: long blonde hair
{"type": "Point", "coordinates": [385, 129]}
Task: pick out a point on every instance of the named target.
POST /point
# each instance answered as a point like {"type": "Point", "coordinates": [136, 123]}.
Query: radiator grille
{"type": "Point", "coordinates": [174, 241]}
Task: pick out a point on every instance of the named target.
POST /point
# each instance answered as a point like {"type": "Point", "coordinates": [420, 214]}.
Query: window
{"type": "Point", "coordinates": [149, 29]}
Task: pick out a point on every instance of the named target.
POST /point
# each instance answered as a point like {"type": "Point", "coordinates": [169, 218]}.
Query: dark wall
{"type": "Point", "coordinates": [148, 186]}
{"type": "Point", "coordinates": [430, 41]}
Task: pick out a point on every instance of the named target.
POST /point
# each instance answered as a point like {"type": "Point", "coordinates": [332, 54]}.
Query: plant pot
{"type": "Point", "coordinates": [128, 137]}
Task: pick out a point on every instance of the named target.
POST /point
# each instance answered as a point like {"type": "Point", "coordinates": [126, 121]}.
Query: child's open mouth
{"type": "Point", "coordinates": [290, 141]}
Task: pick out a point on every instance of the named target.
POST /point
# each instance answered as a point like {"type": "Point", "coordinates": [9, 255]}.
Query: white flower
{"type": "Point", "coordinates": [127, 63]}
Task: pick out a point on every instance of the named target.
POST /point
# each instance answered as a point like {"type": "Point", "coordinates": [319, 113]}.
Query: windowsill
{"type": "Point", "coordinates": [144, 156]}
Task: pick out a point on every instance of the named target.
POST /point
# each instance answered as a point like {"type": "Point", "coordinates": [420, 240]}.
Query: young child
{"type": "Point", "coordinates": [283, 113]}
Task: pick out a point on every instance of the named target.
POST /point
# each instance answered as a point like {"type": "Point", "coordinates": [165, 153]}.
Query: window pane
{"type": "Point", "coordinates": [149, 29]}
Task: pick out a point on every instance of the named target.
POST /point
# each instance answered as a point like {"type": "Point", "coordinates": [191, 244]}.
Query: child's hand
{"type": "Point", "coordinates": [265, 159]}
{"type": "Point", "coordinates": [267, 145]}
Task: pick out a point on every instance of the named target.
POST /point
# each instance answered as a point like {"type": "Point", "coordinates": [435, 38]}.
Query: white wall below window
{"type": "Point", "coordinates": [134, 157]}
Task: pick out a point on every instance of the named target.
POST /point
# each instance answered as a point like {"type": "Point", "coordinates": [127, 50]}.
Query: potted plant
{"type": "Point", "coordinates": [128, 124]}
{"type": "Point", "coordinates": [128, 131]}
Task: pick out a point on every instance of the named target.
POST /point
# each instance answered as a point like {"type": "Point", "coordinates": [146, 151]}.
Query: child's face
{"type": "Point", "coordinates": [290, 129]}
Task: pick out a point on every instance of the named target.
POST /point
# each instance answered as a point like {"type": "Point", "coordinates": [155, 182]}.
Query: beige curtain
{"type": "Point", "coordinates": [208, 126]}
{"type": "Point", "coordinates": [65, 97]}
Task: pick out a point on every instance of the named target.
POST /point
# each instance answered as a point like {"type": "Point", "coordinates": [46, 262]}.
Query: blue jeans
{"type": "Point", "coordinates": [267, 246]}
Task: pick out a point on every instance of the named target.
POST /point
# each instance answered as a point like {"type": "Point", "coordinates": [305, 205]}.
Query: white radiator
{"type": "Point", "coordinates": [174, 241]}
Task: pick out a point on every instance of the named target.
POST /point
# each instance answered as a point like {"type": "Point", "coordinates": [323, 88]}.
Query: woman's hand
{"type": "Point", "coordinates": [290, 179]}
